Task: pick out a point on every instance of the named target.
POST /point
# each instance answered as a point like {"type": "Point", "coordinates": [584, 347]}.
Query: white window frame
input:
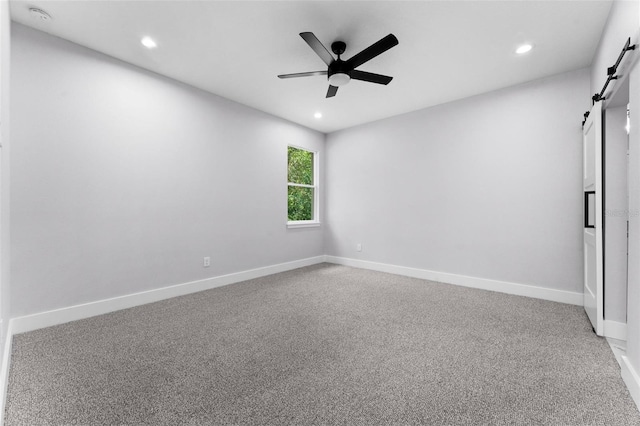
{"type": "Point", "coordinates": [316, 190]}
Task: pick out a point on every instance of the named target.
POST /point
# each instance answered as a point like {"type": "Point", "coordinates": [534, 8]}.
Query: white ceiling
{"type": "Point", "coordinates": [448, 49]}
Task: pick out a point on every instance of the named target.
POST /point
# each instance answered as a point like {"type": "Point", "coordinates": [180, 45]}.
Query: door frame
{"type": "Point", "coordinates": [612, 99]}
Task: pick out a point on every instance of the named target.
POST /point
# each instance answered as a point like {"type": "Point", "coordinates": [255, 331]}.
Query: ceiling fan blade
{"type": "Point", "coordinates": [370, 77]}
{"type": "Point", "coordinates": [372, 51]}
{"type": "Point", "coordinates": [317, 47]}
{"type": "Point", "coordinates": [332, 91]}
{"type": "Point", "coordinates": [302, 74]}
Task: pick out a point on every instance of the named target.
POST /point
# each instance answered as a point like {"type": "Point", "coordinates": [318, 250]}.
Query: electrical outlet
{"type": "Point", "coordinates": [206, 262]}
{"type": "Point", "coordinates": [359, 247]}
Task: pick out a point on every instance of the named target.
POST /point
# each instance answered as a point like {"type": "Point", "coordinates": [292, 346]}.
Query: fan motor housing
{"type": "Point", "coordinates": [338, 66]}
{"type": "Point", "coordinates": [339, 73]}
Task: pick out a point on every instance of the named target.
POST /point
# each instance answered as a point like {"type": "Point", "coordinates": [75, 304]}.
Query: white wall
{"type": "Point", "coordinates": [5, 47]}
{"type": "Point", "coordinates": [123, 180]}
{"type": "Point", "coordinates": [622, 23]}
{"type": "Point", "coordinates": [488, 187]}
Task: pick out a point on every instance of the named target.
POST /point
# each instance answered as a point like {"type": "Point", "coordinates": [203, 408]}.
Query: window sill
{"type": "Point", "coordinates": [303, 224]}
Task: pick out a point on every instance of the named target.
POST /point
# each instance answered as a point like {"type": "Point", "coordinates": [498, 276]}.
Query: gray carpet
{"type": "Point", "coordinates": [325, 344]}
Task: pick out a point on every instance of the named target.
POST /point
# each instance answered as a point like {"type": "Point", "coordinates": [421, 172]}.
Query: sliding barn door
{"type": "Point", "coordinates": [593, 244]}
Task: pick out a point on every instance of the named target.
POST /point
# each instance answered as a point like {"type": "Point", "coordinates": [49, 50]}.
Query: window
{"type": "Point", "coordinates": [302, 187]}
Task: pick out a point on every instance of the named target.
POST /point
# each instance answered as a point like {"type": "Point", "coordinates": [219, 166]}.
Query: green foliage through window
{"type": "Point", "coordinates": [301, 184]}
{"type": "Point", "coordinates": [300, 166]}
{"type": "Point", "coordinates": [300, 203]}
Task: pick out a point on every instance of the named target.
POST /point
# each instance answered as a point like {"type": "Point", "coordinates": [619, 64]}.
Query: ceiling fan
{"type": "Point", "coordinates": [340, 72]}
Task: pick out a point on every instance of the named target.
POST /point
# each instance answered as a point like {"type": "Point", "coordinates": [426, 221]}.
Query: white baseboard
{"type": "Point", "coordinates": [86, 310]}
{"type": "Point", "coordinates": [631, 379]}
{"type": "Point", "coordinates": [615, 330]}
{"type": "Point", "coordinates": [466, 281]}
{"type": "Point", "coordinates": [4, 371]}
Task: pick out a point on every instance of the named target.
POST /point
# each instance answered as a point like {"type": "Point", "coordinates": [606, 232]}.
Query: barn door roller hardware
{"type": "Point", "coordinates": [611, 75]}
{"type": "Point", "coordinates": [611, 71]}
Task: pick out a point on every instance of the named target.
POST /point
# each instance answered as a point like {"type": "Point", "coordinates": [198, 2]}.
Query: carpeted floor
{"type": "Point", "coordinates": [324, 345]}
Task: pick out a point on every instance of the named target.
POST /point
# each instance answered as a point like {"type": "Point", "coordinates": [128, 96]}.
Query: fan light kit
{"type": "Point", "coordinates": [39, 14]}
{"type": "Point", "coordinates": [339, 79]}
{"type": "Point", "coordinates": [341, 72]}
{"type": "Point", "coordinates": [318, 115]}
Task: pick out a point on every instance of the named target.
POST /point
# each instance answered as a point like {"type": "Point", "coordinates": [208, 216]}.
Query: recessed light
{"type": "Point", "coordinates": [524, 48]}
{"type": "Point", "coordinates": [318, 115]}
{"type": "Point", "coordinates": [148, 42]}
{"type": "Point", "coordinates": [39, 14]}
